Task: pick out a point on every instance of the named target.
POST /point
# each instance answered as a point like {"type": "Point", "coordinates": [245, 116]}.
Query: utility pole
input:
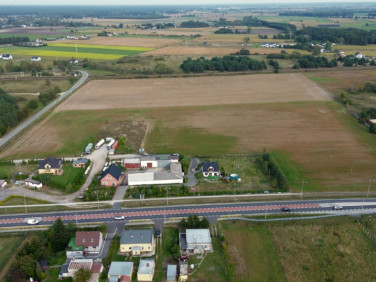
{"type": "Point", "coordinates": [98, 200]}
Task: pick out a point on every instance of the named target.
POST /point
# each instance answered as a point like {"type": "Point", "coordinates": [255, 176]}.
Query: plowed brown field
{"type": "Point", "coordinates": [171, 92]}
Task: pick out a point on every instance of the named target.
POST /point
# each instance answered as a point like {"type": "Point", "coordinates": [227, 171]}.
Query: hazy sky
{"type": "Point", "coordinates": [161, 2]}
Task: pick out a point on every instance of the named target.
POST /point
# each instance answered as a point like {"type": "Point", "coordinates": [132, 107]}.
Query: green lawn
{"type": "Point", "coordinates": [8, 244]}
{"type": "Point", "coordinates": [71, 175]}
{"type": "Point", "coordinates": [170, 236]}
{"type": "Point", "coordinates": [214, 267]}
{"type": "Point", "coordinates": [8, 170]}
{"type": "Point", "coordinates": [332, 249]}
{"type": "Point", "coordinates": [252, 252]}
{"type": "Point", "coordinates": [251, 177]}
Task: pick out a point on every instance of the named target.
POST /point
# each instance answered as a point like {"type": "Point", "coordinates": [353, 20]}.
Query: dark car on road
{"type": "Point", "coordinates": [286, 209]}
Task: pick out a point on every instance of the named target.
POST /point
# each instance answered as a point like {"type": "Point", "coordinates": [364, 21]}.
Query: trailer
{"type": "Point", "coordinates": [88, 148]}
{"type": "Point", "coordinates": [109, 145]}
{"type": "Point", "coordinates": [115, 145]}
{"type": "Point", "coordinates": [99, 144]}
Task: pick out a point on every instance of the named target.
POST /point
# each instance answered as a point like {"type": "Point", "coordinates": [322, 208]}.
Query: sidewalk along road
{"type": "Point", "coordinates": [29, 121]}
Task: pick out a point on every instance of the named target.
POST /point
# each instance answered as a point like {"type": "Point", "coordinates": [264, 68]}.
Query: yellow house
{"type": "Point", "coordinates": [137, 242]}
{"type": "Point", "coordinates": [50, 166]}
{"type": "Point", "coordinates": [146, 270]}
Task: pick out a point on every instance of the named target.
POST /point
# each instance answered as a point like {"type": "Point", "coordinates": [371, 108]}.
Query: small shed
{"type": "Point", "coordinates": [171, 272]}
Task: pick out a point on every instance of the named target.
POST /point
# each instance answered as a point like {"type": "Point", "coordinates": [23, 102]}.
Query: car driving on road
{"type": "Point", "coordinates": [337, 207]}
{"type": "Point", "coordinates": [32, 221]}
{"type": "Point", "coordinates": [119, 217]}
{"type": "Point", "coordinates": [286, 209]}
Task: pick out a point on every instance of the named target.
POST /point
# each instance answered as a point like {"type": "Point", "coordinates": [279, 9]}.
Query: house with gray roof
{"type": "Point", "coordinates": [146, 270]}
{"type": "Point", "coordinates": [210, 170]}
{"type": "Point", "coordinates": [138, 242]}
{"type": "Point", "coordinates": [195, 241]}
{"type": "Point", "coordinates": [120, 271]}
{"type": "Point", "coordinates": [171, 272]}
{"type": "Point", "coordinates": [80, 162]}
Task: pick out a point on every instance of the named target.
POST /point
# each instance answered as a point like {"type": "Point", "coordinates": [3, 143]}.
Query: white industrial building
{"type": "Point", "coordinates": [172, 176]}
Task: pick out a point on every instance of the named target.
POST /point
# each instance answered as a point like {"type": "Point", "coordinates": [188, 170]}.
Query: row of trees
{"type": "Point", "coordinates": [13, 39]}
{"type": "Point", "coordinates": [24, 66]}
{"type": "Point", "coordinates": [193, 24]}
{"type": "Point", "coordinates": [269, 167]}
{"type": "Point", "coordinates": [49, 95]}
{"type": "Point", "coordinates": [308, 61]}
{"type": "Point", "coordinates": [350, 36]}
{"type": "Point", "coordinates": [226, 63]}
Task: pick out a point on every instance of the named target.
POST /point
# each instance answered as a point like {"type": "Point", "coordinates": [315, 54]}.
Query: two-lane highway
{"type": "Point", "coordinates": [208, 210]}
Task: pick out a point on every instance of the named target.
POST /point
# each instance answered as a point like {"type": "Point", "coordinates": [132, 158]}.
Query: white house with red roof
{"type": "Point", "coordinates": [92, 241]}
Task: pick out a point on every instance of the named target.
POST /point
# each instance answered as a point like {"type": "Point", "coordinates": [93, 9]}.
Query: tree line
{"type": "Point", "coordinates": [226, 63]}
{"type": "Point", "coordinates": [10, 114]}
{"type": "Point", "coordinates": [13, 39]}
{"type": "Point", "coordinates": [308, 61]}
{"type": "Point", "coordinates": [350, 36]}
{"type": "Point", "coordinates": [269, 167]}
{"type": "Point", "coordinates": [194, 24]}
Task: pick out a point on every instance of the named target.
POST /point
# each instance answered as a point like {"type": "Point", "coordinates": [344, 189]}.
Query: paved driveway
{"type": "Point", "coordinates": [192, 180]}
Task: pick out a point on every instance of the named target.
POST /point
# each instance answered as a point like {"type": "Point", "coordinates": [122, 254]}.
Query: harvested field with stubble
{"type": "Point", "coordinates": [127, 41]}
{"type": "Point", "coordinates": [212, 51]}
{"type": "Point", "coordinates": [173, 92]}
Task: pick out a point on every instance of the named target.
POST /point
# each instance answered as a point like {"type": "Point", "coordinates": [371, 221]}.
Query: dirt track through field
{"type": "Point", "coordinates": [172, 92]}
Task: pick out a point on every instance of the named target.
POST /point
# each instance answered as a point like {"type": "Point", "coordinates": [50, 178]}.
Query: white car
{"type": "Point", "coordinates": [337, 207]}
{"type": "Point", "coordinates": [32, 221]}
{"type": "Point", "coordinates": [119, 217]}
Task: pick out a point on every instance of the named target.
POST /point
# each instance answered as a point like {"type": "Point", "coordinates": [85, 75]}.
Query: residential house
{"type": "Point", "coordinates": [36, 59]}
{"type": "Point", "coordinates": [3, 183]}
{"type": "Point", "coordinates": [171, 272]}
{"type": "Point", "coordinates": [111, 176]}
{"type": "Point", "coordinates": [92, 241]}
{"type": "Point", "coordinates": [73, 61]}
{"type": "Point", "coordinates": [80, 162]}
{"type": "Point", "coordinates": [137, 242]}
{"type": "Point", "coordinates": [120, 271]}
{"type": "Point", "coordinates": [7, 57]}
{"type": "Point", "coordinates": [210, 170]}
{"type": "Point", "coordinates": [33, 183]}
{"type": "Point", "coordinates": [73, 251]}
{"type": "Point", "coordinates": [183, 270]}
{"type": "Point", "coordinates": [195, 241]}
{"type": "Point", "coordinates": [50, 166]}
{"type": "Point", "coordinates": [76, 264]}
{"type": "Point", "coordinates": [146, 270]}
{"type": "Point", "coordinates": [72, 265]}
{"type": "Point", "coordinates": [358, 55]}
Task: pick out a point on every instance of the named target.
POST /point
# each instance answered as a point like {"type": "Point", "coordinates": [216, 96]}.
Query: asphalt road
{"type": "Point", "coordinates": [208, 210]}
{"type": "Point", "coordinates": [29, 121]}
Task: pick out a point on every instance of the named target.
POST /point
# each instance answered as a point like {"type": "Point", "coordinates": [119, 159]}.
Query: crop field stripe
{"type": "Point", "coordinates": [72, 49]}
{"type": "Point", "coordinates": [96, 46]}
{"type": "Point", "coordinates": [41, 53]}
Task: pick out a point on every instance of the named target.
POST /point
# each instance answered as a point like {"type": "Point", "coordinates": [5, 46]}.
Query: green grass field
{"type": "Point", "coordinates": [70, 175]}
{"type": "Point", "coordinates": [69, 50]}
{"type": "Point", "coordinates": [8, 244]}
{"type": "Point", "coordinates": [334, 249]}
{"type": "Point", "coordinates": [252, 252]}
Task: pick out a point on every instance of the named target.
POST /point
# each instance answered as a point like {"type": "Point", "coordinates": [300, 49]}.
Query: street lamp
{"type": "Point", "coordinates": [301, 194]}
{"type": "Point", "coordinates": [369, 185]}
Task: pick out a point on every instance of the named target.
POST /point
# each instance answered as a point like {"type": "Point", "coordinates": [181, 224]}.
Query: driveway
{"type": "Point", "coordinates": [192, 180]}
